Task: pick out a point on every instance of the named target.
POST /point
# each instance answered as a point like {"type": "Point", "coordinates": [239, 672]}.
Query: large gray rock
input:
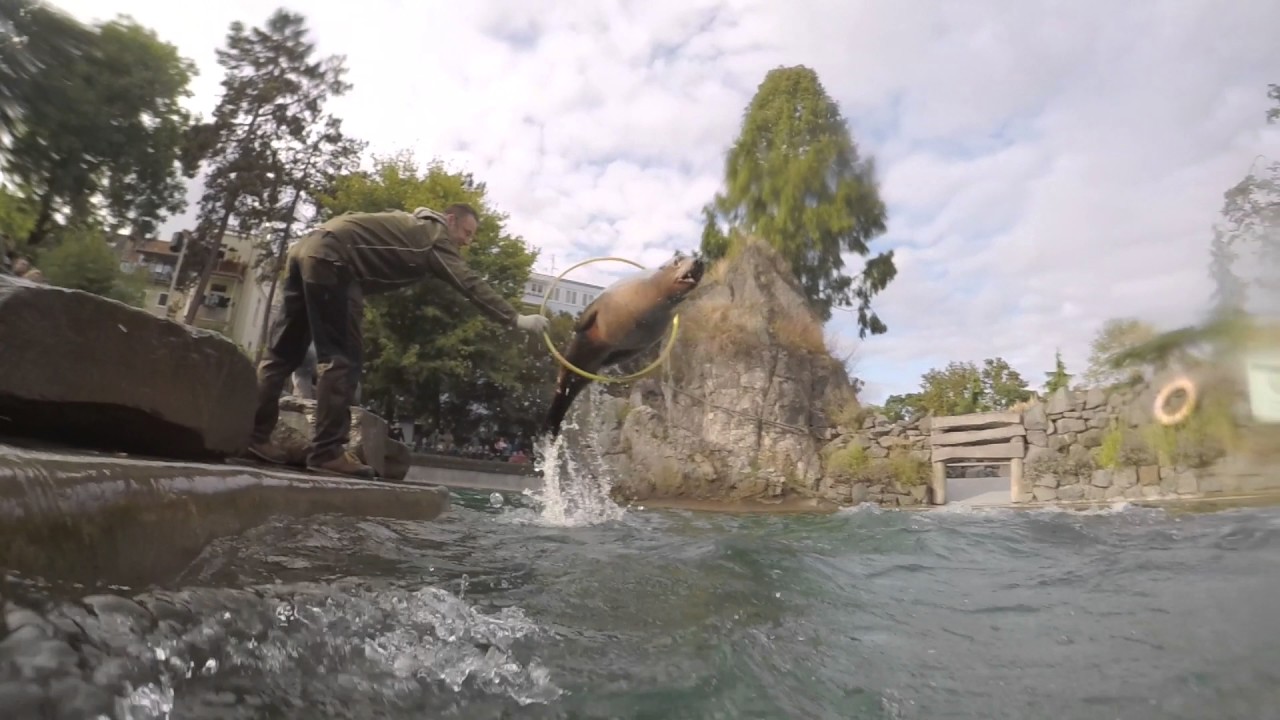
{"type": "Point", "coordinates": [79, 369]}
{"type": "Point", "coordinates": [369, 441]}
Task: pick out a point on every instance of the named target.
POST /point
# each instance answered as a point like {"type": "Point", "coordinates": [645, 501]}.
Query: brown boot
{"type": "Point", "coordinates": [345, 464]}
{"type": "Point", "coordinates": [266, 451]}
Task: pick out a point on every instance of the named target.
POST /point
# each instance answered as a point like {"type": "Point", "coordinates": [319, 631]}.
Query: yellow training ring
{"type": "Point", "coordinates": [1184, 384]}
{"type": "Point", "coordinates": [662, 357]}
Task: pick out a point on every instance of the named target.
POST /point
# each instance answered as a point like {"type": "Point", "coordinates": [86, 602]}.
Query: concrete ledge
{"type": "Point", "coordinates": [468, 474]}
{"type": "Point", "coordinates": [451, 462]}
{"type": "Point", "coordinates": [97, 518]}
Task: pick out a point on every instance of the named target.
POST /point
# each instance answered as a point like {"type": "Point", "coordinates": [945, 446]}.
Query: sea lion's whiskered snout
{"type": "Point", "coordinates": [690, 268]}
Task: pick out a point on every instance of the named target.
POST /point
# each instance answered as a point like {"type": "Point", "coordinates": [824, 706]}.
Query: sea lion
{"type": "Point", "coordinates": [628, 318]}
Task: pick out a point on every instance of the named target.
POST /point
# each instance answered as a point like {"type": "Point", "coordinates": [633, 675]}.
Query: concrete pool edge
{"type": "Point", "coordinates": [99, 518]}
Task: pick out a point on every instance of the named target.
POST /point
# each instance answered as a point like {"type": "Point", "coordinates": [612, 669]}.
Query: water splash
{"type": "Point", "coordinates": [392, 644]}
{"type": "Point", "coordinates": [576, 483]}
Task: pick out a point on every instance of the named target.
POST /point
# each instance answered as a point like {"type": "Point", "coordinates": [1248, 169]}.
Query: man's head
{"type": "Point", "coordinates": [462, 221]}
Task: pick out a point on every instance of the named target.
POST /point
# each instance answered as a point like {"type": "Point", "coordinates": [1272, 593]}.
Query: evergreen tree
{"type": "Point", "coordinates": [1059, 378]}
{"type": "Point", "coordinates": [274, 92]}
{"type": "Point", "coordinates": [1114, 338]}
{"type": "Point", "coordinates": [794, 177]}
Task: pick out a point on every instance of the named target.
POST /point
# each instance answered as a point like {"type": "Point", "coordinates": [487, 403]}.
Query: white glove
{"type": "Point", "coordinates": [533, 323]}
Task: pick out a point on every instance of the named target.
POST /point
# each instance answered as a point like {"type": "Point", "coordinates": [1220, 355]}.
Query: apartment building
{"type": "Point", "coordinates": [568, 296]}
{"type": "Point", "coordinates": [234, 302]}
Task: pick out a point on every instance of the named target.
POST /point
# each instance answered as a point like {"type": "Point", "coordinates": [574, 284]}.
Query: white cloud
{"type": "Point", "coordinates": [1046, 165]}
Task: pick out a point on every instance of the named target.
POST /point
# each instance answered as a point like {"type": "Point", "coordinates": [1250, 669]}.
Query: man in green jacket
{"type": "Point", "coordinates": [328, 273]}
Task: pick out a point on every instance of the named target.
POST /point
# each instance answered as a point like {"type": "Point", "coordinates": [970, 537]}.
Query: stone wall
{"type": "Point", "coordinates": [880, 462]}
{"type": "Point", "coordinates": [1104, 446]}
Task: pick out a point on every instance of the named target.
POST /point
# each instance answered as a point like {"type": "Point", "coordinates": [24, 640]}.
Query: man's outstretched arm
{"type": "Point", "coordinates": [452, 268]}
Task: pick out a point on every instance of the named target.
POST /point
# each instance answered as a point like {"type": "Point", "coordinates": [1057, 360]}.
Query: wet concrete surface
{"type": "Point", "coordinates": [99, 519]}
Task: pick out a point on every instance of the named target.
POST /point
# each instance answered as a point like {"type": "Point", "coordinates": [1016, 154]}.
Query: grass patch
{"type": "Point", "coordinates": [718, 326]}
{"type": "Point", "coordinates": [799, 331]}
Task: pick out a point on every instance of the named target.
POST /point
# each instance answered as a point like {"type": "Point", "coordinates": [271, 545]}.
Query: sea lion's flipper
{"type": "Point", "coordinates": [569, 383]}
{"type": "Point", "coordinates": [566, 391]}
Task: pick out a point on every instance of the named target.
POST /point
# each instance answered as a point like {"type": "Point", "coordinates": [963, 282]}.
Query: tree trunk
{"type": "Point", "coordinates": [41, 227]}
{"type": "Point", "coordinates": [271, 297]}
{"type": "Point", "coordinates": [210, 263]}
{"type": "Point", "coordinates": [279, 255]}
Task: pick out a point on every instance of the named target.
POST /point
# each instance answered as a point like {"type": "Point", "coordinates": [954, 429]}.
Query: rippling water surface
{"type": "Point", "coordinates": [490, 612]}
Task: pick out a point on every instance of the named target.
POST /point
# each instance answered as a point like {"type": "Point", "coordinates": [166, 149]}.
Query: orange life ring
{"type": "Point", "coordinates": [1184, 384]}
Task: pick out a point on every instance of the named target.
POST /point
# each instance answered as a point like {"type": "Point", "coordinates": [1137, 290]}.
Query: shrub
{"type": "Point", "coordinates": [848, 461]}
{"type": "Point", "coordinates": [853, 463]}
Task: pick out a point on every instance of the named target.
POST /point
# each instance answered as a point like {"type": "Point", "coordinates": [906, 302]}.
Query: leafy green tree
{"type": "Point", "coordinates": [953, 390]}
{"type": "Point", "coordinates": [17, 215]}
{"type": "Point", "coordinates": [80, 258]}
{"type": "Point", "coordinates": [36, 42]}
{"type": "Point", "coordinates": [902, 407]}
{"type": "Point", "coordinates": [429, 354]}
{"type": "Point", "coordinates": [101, 137]}
{"type": "Point", "coordinates": [1250, 220]}
{"type": "Point", "coordinates": [1058, 378]}
{"type": "Point", "coordinates": [794, 177]}
{"type": "Point", "coordinates": [274, 93]}
{"type": "Point", "coordinates": [1002, 386]}
{"type": "Point", "coordinates": [961, 388]}
{"type": "Point", "coordinates": [1114, 337]}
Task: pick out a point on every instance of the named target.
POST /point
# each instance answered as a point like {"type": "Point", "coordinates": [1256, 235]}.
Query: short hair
{"type": "Point", "coordinates": [457, 209]}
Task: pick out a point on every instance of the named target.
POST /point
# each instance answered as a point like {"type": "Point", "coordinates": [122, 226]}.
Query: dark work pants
{"type": "Point", "coordinates": [323, 304]}
{"type": "Point", "coordinates": [304, 378]}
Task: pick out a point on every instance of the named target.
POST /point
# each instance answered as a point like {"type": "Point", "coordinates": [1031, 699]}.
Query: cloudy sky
{"type": "Point", "coordinates": [1047, 165]}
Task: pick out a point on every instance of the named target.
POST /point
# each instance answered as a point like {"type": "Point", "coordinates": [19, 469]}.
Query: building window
{"type": "Point", "coordinates": [218, 288]}
{"type": "Point", "coordinates": [162, 299]}
{"type": "Point", "coordinates": [573, 297]}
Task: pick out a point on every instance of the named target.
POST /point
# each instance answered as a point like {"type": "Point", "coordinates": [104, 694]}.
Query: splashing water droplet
{"type": "Point", "coordinates": [576, 484]}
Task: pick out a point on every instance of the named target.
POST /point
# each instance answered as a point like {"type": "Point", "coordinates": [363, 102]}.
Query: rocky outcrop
{"type": "Point", "coordinates": [369, 438]}
{"type": "Point", "coordinates": [744, 405]}
{"type": "Point", "coordinates": [79, 369]}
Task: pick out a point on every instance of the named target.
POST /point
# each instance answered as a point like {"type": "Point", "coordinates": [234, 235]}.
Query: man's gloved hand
{"type": "Point", "coordinates": [533, 323]}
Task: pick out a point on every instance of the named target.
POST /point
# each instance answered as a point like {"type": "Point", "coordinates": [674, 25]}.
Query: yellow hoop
{"type": "Point", "coordinates": [662, 357]}
{"type": "Point", "coordinates": [1186, 385]}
